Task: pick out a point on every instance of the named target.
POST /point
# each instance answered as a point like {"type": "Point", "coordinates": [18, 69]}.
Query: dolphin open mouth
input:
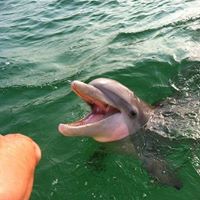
{"type": "Point", "coordinates": [100, 107]}
{"type": "Point", "coordinates": [104, 122]}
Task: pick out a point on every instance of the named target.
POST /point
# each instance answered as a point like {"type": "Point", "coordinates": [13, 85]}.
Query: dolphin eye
{"type": "Point", "coordinates": [132, 113]}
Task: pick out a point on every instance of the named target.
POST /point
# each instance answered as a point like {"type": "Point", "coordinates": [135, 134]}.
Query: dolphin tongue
{"type": "Point", "coordinates": [97, 114]}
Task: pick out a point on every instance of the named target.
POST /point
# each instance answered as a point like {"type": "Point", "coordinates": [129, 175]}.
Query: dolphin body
{"type": "Point", "coordinates": [118, 116]}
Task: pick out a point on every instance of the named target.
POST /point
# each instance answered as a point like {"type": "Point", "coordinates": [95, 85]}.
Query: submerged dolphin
{"type": "Point", "coordinates": [116, 115]}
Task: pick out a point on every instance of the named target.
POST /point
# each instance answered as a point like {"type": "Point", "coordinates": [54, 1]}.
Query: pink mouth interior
{"type": "Point", "coordinates": [99, 112]}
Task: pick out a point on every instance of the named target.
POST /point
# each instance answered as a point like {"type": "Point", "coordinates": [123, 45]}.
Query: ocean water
{"type": "Point", "coordinates": [152, 47]}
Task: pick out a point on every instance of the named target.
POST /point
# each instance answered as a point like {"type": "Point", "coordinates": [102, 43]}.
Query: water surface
{"type": "Point", "coordinates": [146, 45]}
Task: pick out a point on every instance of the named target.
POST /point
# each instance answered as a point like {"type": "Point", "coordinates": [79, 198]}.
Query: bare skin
{"type": "Point", "coordinates": [19, 156]}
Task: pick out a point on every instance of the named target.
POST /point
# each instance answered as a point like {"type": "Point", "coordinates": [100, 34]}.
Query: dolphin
{"type": "Point", "coordinates": [115, 111]}
{"type": "Point", "coordinates": [117, 115]}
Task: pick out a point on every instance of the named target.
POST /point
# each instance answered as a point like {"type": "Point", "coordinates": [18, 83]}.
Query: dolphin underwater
{"type": "Point", "coordinates": [117, 115]}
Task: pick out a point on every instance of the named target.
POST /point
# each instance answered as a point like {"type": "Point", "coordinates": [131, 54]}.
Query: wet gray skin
{"type": "Point", "coordinates": [125, 123]}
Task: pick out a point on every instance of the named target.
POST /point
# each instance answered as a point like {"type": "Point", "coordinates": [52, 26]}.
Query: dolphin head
{"type": "Point", "coordinates": [115, 111]}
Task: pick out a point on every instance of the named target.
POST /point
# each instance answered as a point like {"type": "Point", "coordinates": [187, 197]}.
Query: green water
{"type": "Point", "coordinates": [45, 44]}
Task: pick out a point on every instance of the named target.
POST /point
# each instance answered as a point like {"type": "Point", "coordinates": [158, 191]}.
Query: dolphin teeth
{"type": "Point", "coordinates": [107, 108]}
